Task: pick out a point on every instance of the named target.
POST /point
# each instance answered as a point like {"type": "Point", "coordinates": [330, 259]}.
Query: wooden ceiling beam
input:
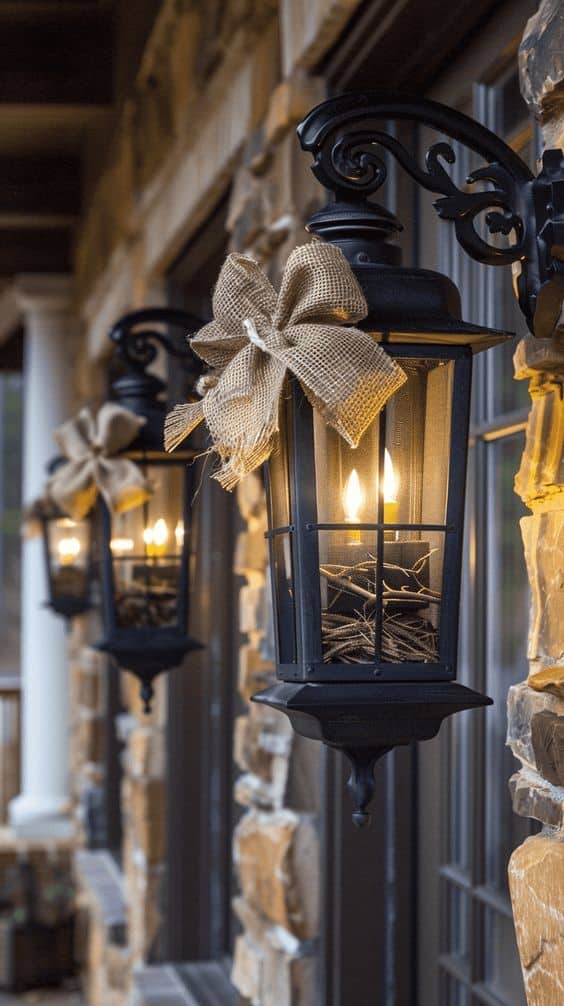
{"type": "Point", "coordinates": [61, 60]}
{"type": "Point", "coordinates": [39, 186]}
{"type": "Point", "coordinates": [35, 250]}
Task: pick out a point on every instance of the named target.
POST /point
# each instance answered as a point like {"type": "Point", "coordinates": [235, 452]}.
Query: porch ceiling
{"type": "Point", "coordinates": [58, 90]}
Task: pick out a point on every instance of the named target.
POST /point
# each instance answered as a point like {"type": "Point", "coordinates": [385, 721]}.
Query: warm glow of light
{"type": "Point", "coordinates": [353, 498]}
{"type": "Point", "coordinates": [391, 481]}
{"type": "Point", "coordinates": [156, 537]}
{"type": "Point", "coordinates": [69, 550]}
{"type": "Point", "coordinates": [121, 545]}
{"type": "Point", "coordinates": [179, 535]}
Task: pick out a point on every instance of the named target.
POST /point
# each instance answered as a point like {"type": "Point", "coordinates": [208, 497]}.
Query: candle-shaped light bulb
{"type": "Point", "coordinates": [390, 490]}
{"type": "Point", "coordinates": [353, 498]}
{"type": "Point", "coordinates": [179, 535]}
{"type": "Point", "coordinates": [353, 501]}
{"type": "Point", "coordinates": [120, 546]}
{"type": "Point", "coordinates": [156, 538]}
{"type": "Point", "coordinates": [69, 550]}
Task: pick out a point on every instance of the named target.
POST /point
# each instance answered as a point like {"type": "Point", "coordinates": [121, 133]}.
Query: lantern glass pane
{"type": "Point", "coordinates": [381, 586]}
{"type": "Point", "coordinates": [283, 581]}
{"type": "Point", "coordinates": [148, 553]}
{"type": "Point", "coordinates": [347, 562]}
{"type": "Point", "coordinates": [279, 474]}
{"type": "Point", "coordinates": [69, 550]}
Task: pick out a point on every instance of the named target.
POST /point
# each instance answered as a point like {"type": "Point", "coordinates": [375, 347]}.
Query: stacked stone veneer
{"type": "Point", "coordinates": [275, 848]}
{"type": "Point", "coordinates": [120, 909]}
{"type": "Point", "coordinates": [536, 707]}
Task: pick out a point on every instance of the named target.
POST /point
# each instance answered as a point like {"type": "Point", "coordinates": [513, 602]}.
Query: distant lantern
{"type": "Point", "coordinates": [69, 559]}
{"type": "Point", "coordinates": [366, 543]}
{"type": "Point", "coordinates": [145, 550]}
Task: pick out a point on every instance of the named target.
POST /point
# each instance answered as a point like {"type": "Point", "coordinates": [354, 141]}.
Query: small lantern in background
{"type": "Point", "coordinates": [366, 543]}
{"type": "Point", "coordinates": [69, 556]}
{"type": "Point", "coordinates": [144, 551]}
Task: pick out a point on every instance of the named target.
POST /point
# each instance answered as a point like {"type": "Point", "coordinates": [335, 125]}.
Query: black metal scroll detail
{"type": "Point", "coordinates": [349, 151]}
{"type": "Point", "coordinates": [137, 346]}
{"type": "Point", "coordinates": [356, 167]}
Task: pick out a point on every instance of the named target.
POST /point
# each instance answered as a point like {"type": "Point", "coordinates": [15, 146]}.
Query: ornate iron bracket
{"type": "Point", "coordinates": [135, 340]}
{"type": "Point", "coordinates": [348, 146]}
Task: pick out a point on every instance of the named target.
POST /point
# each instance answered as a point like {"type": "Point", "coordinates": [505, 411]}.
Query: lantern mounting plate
{"type": "Point", "coordinates": [365, 720]}
{"type": "Point", "coordinates": [349, 137]}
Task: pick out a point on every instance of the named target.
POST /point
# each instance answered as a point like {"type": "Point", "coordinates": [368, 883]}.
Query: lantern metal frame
{"type": "Point", "coordinates": [147, 651]}
{"type": "Point", "coordinates": [366, 710]}
{"type": "Point", "coordinates": [60, 602]}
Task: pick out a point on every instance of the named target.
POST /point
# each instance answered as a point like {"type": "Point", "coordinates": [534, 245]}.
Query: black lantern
{"type": "Point", "coordinates": [145, 550]}
{"type": "Point", "coordinates": [366, 544]}
{"type": "Point", "coordinates": [69, 561]}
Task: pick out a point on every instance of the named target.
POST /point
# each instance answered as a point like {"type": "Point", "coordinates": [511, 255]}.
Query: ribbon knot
{"type": "Point", "coordinates": [90, 444]}
{"type": "Point", "coordinates": [300, 331]}
{"type": "Point", "coordinates": [252, 334]}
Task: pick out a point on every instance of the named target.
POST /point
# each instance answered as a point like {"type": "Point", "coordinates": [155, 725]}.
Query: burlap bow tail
{"type": "Point", "coordinates": [91, 443]}
{"type": "Point", "coordinates": [258, 337]}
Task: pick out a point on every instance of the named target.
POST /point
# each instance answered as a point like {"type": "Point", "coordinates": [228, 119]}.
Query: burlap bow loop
{"type": "Point", "coordinates": [90, 444]}
{"type": "Point", "coordinates": [258, 337]}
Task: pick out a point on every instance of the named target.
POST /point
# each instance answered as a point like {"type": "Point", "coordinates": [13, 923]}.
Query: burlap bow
{"type": "Point", "coordinates": [258, 337]}
{"type": "Point", "coordinates": [91, 444]}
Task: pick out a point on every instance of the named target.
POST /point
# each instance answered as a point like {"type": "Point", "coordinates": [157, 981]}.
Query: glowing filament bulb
{"type": "Point", "coordinates": [179, 535]}
{"type": "Point", "coordinates": [391, 482]}
{"type": "Point", "coordinates": [353, 498]}
{"type": "Point", "coordinates": [156, 538]}
{"type": "Point", "coordinates": [120, 546]}
{"type": "Point", "coordinates": [69, 550]}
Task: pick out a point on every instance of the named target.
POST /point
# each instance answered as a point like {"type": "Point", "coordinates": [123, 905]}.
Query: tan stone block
{"type": "Point", "coordinates": [247, 971]}
{"type": "Point", "coordinates": [289, 103]}
{"type": "Point", "coordinates": [277, 859]}
{"type": "Point", "coordinates": [534, 797]}
{"type": "Point", "coordinates": [523, 704]}
{"type": "Point", "coordinates": [543, 540]}
{"type": "Point", "coordinates": [254, 671]}
{"type": "Point", "coordinates": [251, 608]}
{"type": "Point", "coordinates": [146, 752]}
{"type": "Point", "coordinates": [89, 689]}
{"type": "Point", "coordinates": [536, 880]}
{"type": "Point", "coordinates": [250, 496]}
{"type": "Point", "coordinates": [146, 807]}
{"type": "Point", "coordinates": [117, 967]}
{"type": "Point", "coordinates": [261, 737]}
{"type": "Point", "coordinates": [288, 981]}
{"type": "Point", "coordinates": [250, 553]}
{"type": "Point", "coordinates": [549, 679]}
{"type": "Point", "coordinates": [91, 738]}
{"type": "Point", "coordinates": [534, 355]}
{"type": "Point", "coordinates": [309, 29]}
{"type": "Point", "coordinates": [540, 479]}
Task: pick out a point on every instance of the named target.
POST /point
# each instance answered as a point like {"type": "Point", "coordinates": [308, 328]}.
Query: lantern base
{"type": "Point", "coordinates": [366, 720]}
{"type": "Point", "coordinates": [146, 653]}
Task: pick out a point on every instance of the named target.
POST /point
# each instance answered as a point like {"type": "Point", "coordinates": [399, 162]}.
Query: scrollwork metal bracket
{"type": "Point", "coordinates": [348, 144]}
{"type": "Point", "coordinates": [137, 341]}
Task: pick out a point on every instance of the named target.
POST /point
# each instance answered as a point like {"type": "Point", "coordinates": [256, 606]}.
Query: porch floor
{"type": "Point", "coordinates": [42, 997]}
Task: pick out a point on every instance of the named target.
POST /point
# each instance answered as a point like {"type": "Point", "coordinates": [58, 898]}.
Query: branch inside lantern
{"type": "Point", "coordinates": [349, 628]}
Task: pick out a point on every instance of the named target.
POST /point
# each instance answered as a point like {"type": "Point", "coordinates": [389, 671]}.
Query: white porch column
{"type": "Point", "coordinates": [42, 806]}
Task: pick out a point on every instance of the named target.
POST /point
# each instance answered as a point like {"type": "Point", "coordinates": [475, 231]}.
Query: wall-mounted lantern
{"type": "Point", "coordinates": [366, 544]}
{"type": "Point", "coordinates": [144, 551]}
{"type": "Point", "coordinates": [68, 547]}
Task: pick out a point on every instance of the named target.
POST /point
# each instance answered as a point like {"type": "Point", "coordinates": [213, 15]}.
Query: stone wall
{"type": "Point", "coordinates": [536, 707]}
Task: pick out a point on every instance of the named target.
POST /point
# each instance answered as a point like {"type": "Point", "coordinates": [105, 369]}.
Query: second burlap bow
{"type": "Point", "coordinates": [90, 444]}
{"type": "Point", "coordinates": [258, 337]}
